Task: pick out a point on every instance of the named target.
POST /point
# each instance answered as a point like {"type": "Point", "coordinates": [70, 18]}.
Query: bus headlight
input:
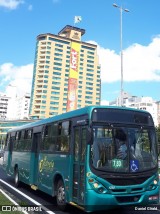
{"type": "Point", "coordinates": [95, 185]}
{"type": "Point", "coordinates": [155, 182]}
{"type": "Point", "coordinates": [153, 185]}
{"type": "Point", "coordinates": [98, 187]}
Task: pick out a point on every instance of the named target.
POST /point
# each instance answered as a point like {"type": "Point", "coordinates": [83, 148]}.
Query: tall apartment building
{"type": "Point", "coordinates": [66, 73]}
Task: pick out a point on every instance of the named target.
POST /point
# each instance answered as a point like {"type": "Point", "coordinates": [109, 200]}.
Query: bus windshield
{"type": "Point", "coordinates": [124, 149]}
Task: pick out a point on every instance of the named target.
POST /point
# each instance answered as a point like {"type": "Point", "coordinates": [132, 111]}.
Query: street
{"type": "Point", "coordinates": [49, 203]}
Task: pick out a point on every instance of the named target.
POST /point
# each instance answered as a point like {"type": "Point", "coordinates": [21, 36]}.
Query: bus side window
{"type": "Point", "coordinates": [22, 134]}
{"type": "Point", "coordinates": [63, 139]}
{"type": "Point", "coordinates": [11, 143]}
{"type": "Point", "coordinates": [7, 142]}
{"type": "Point", "coordinates": [15, 146]}
{"type": "Point", "coordinates": [46, 138]}
{"type": "Point", "coordinates": [20, 140]}
{"type": "Point", "coordinates": [27, 137]}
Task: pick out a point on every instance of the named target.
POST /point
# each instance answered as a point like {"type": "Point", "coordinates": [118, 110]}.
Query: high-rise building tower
{"type": "Point", "coordinates": [66, 73]}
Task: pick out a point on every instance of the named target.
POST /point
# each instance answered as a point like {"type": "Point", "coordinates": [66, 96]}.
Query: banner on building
{"type": "Point", "coordinates": [73, 77]}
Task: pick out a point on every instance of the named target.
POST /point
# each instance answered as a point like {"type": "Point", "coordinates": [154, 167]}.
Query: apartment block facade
{"type": "Point", "coordinates": [23, 103]}
{"type": "Point", "coordinates": [143, 103]}
{"type": "Point", "coordinates": [4, 99]}
{"type": "Point", "coordinates": [66, 73]}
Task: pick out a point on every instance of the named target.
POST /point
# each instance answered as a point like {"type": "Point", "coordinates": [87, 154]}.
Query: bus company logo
{"type": "Point", "coordinates": [112, 187]}
{"type": "Point", "coordinates": [44, 164]}
{"type": "Point", "coordinates": [74, 59]}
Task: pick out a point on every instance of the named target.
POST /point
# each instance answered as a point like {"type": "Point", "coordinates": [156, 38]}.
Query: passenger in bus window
{"type": "Point", "coordinates": [120, 140]}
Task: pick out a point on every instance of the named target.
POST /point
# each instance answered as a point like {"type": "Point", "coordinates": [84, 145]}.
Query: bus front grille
{"type": "Point", "coordinates": [126, 181]}
{"type": "Point", "coordinates": [128, 199]}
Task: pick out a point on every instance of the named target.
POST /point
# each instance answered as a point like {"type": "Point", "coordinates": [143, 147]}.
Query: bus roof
{"type": "Point", "coordinates": [67, 115]}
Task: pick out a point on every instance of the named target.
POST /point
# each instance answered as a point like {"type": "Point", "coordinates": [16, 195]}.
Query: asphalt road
{"type": "Point", "coordinates": [50, 203]}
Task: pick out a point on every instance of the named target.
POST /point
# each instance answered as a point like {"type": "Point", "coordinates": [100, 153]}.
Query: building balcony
{"type": "Point", "coordinates": [42, 52]}
{"type": "Point", "coordinates": [38, 91]}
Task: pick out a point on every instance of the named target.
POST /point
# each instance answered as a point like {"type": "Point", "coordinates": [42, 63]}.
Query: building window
{"type": "Point", "coordinates": [58, 40]}
{"type": "Point", "coordinates": [89, 88]}
{"type": "Point", "coordinates": [89, 83]}
{"type": "Point", "coordinates": [56, 63]}
{"type": "Point", "coordinates": [57, 59]}
{"type": "Point", "coordinates": [90, 57]}
{"type": "Point", "coordinates": [88, 48]}
{"type": "Point", "coordinates": [56, 83]}
{"type": "Point", "coordinates": [55, 88]}
{"type": "Point", "coordinates": [59, 50]}
{"type": "Point", "coordinates": [59, 45]}
{"type": "Point", "coordinates": [91, 53]}
{"type": "Point", "coordinates": [90, 61]}
{"type": "Point", "coordinates": [54, 108]}
{"type": "Point", "coordinates": [88, 97]}
{"type": "Point", "coordinates": [88, 102]}
{"type": "Point", "coordinates": [90, 66]}
{"type": "Point", "coordinates": [58, 54]}
{"type": "Point", "coordinates": [56, 73]}
{"type": "Point", "coordinates": [56, 78]}
{"type": "Point", "coordinates": [55, 92]}
{"type": "Point", "coordinates": [91, 75]}
{"type": "Point", "coordinates": [89, 92]}
{"type": "Point", "coordinates": [54, 98]}
{"type": "Point", "coordinates": [54, 103]}
{"type": "Point", "coordinates": [56, 68]}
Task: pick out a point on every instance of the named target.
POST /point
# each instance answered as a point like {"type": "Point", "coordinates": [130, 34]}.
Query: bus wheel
{"type": "Point", "coordinates": [61, 199]}
{"type": "Point", "coordinates": [16, 177]}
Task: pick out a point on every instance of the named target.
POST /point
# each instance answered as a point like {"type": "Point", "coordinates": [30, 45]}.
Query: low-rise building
{"type": "Point", "coordinates": [143, 103]}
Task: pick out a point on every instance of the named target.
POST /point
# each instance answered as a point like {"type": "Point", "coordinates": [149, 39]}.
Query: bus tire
{"type": "Point", "coordinates": [60, 196]}
{"type": "Point", "coordinates": [16, 177]}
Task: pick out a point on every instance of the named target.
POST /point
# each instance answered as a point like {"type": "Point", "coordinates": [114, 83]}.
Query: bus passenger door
{"type": "Point", "coordinates": [79, 154]}
{"type": "Point", "coordinates": [35, 157]}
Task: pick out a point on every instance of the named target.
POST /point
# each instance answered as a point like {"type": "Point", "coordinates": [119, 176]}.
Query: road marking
{"type": "Point", "coordinates": [10, 199]}
{"type": "Point", "coordinates": [27, 197]}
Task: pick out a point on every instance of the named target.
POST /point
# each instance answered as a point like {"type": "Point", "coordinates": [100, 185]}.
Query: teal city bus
{"type": "Point", "coordinates": [96, 158]}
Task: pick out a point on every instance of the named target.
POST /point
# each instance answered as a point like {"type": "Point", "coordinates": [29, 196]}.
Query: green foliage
{"type": "Point", "coordinates": [6, 202]}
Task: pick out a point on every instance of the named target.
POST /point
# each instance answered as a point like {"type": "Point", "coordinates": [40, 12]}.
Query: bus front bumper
{"type": "Point", "coordinates": [95, 201]}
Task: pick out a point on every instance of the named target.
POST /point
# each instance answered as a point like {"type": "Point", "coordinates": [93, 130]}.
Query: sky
{"type": "Point", "coordinates": [21, 21]}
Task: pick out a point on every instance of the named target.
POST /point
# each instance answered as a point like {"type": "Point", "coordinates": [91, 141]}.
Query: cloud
{"type": "Point", "coordinates": [19, 76]}
{"type": "Point", "coordinates": [30, 7]}
{"type": "Point", "coordinates": [140, 63]}
{"type": "Point", "coordinates": [11, 4]}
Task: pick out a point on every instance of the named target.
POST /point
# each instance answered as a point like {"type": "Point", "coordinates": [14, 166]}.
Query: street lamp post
{"type": "Point", "coordinates": [121, 47]}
